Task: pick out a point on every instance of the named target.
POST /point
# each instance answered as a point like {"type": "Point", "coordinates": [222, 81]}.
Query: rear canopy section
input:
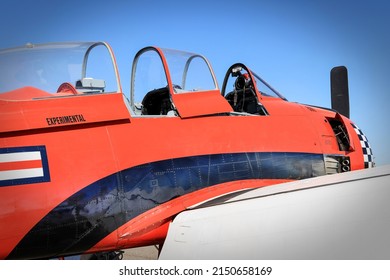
{"type": "Point", "coordinates": [59, 84]}
{"type": "Point", "coordinates": [170, 82]}
{"type": "Point", "coordinates": [58, 69]}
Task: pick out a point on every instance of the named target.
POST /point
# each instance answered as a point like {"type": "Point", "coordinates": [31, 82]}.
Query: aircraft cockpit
{"type": "Point", "coordinates": [164, 82]}
{"type": "Point", "coordinates": [246, 90]}
{"type": "Point", "coordinates": [167, 82]}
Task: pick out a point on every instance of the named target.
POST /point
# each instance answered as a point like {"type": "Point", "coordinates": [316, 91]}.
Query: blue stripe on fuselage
{"type": "Point", "coordinates": [86, 217]}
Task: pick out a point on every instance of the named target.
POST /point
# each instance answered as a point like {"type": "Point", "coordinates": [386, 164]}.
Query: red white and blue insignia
{"type": "Point", "coordinates": [23, 165]}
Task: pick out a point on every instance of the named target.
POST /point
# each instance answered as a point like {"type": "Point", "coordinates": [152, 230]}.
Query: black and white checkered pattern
{"type": "Point", "coordinates": [367, 151]}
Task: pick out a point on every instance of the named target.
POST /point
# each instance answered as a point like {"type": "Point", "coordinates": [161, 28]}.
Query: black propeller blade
{"type": "Point", "coordinates": [339, 90]}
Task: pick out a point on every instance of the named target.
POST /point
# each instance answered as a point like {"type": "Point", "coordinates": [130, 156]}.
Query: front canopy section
{"type": "Point", "coordinates": [171, 82]}
{"type": "Point", "coordinates": [68, 68]}
{"type": "Point", "coordinates": [244, 90]}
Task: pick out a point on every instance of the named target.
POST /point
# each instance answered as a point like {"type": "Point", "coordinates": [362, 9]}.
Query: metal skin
{"type": "Point", "coordinates": [111, 180]}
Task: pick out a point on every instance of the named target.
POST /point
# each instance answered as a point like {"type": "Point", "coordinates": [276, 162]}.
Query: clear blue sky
{"type": "Point", "coordinates": [291, 44]}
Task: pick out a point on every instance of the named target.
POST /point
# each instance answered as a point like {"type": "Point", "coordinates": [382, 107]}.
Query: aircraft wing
{"type": "Point", "coordinates": [342, 216]}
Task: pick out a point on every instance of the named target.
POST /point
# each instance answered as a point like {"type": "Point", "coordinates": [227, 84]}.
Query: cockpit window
{"type": "Point", "coordinates": [148, 75]}
{"type": "Point", "coordinates": [89, 67]}
{"type": "Point", "coordinates": [244, 90]}
{"type": "Point", "coordinates": [238, 77]}
{"type": "Point", "coordinates": [162, 78]}
{"type": "Point", "coordinates": [265, 89]}
{"type": "Point", "coordinates": [189, 72]}
{"type": "Point", "coordinates": [100, 68]}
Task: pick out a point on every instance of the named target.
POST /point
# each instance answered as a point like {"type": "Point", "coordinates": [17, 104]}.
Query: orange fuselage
{"type": "Point", "coordinates": [107, 179]}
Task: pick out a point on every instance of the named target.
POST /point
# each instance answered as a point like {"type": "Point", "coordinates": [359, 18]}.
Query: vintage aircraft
{"type": "Point", "coordinates": [85, 170]}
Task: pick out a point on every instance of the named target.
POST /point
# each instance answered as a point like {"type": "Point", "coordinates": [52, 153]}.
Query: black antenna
{"type": "Point", "coordinates": [339, 90]}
